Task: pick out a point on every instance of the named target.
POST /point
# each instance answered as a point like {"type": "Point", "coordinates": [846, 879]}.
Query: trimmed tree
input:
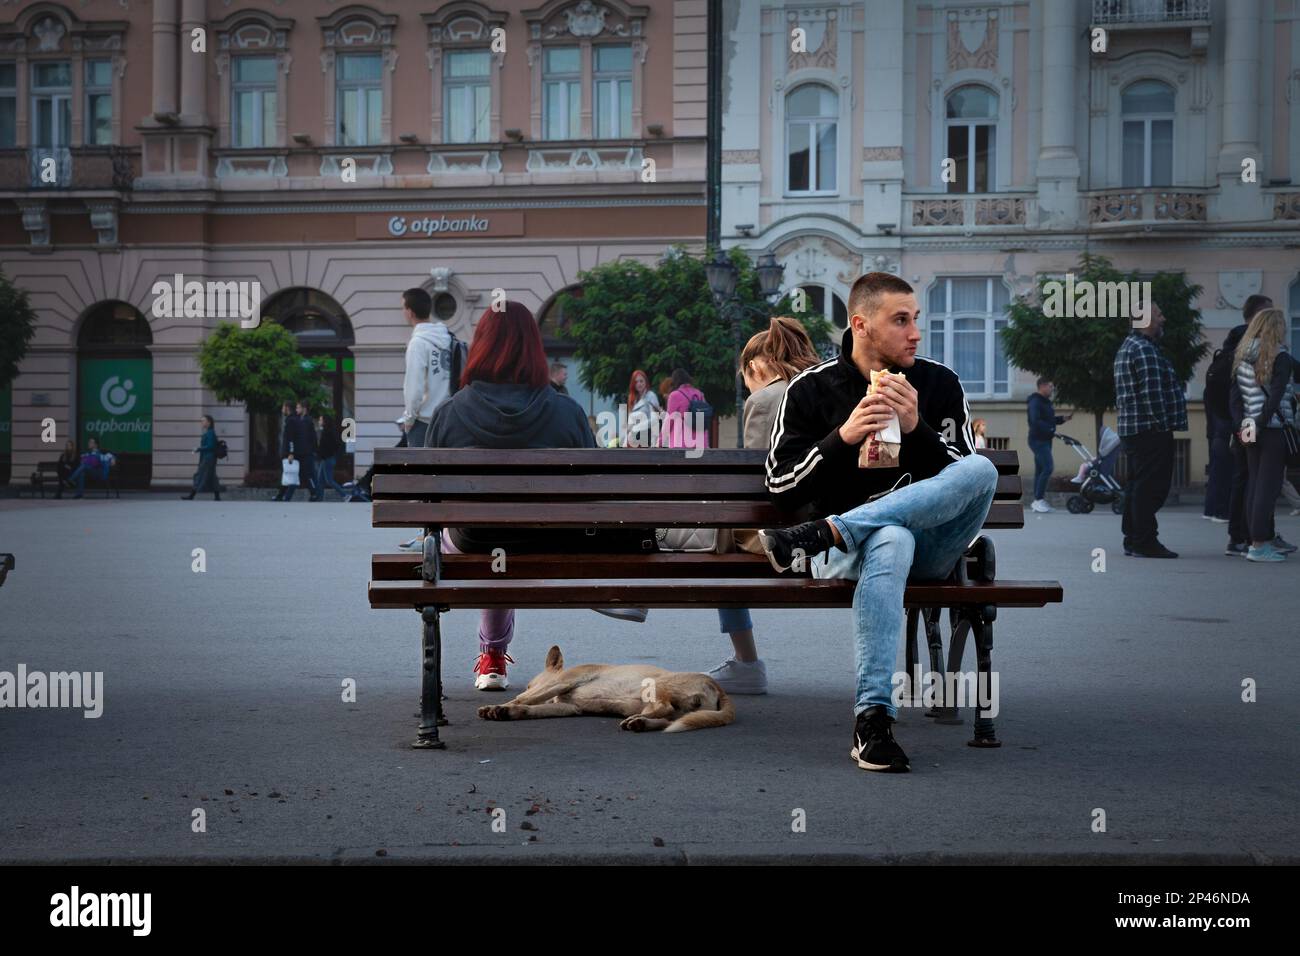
{"type": "Point", "coordinates": [260, 367]}
{"type": "Point", "coordinates": [629, 315]}
{"type": "Point", "coordinates": [17, 328]}
{"type": "Point", "coordinates": [1078, 354]}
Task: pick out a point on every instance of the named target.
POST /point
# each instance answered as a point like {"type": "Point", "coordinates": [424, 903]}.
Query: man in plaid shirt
{"type": "Point", "coordinates": [1151, 407]}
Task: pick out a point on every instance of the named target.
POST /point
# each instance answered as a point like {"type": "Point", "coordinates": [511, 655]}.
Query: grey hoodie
{"type": "Point", "coordinates": [427, 382]}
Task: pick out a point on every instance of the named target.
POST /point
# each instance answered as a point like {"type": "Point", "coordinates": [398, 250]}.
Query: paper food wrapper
{"type": "Point", "coordinates": [881, 449]}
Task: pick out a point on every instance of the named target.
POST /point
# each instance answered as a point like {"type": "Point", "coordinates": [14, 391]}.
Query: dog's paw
{"type": "Point", "coordinates": [635, 723]}
{"type": "Point", "coordinates": [494, 712]}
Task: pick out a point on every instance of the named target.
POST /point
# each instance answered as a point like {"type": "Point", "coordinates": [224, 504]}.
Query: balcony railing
{"type": "Point", "coordinates": [1149, 11]}
{"type": "Point", "coordinates": [42, 169]}
{"type": "Point", "coordinates": [969, 211]}
{"type": "Point", "coordinates": [1144, 206]}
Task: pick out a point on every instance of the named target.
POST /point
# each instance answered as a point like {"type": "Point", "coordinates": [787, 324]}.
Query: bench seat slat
{"type": "Point", "coordinates": [621, 486]}
{"type": "Point", "coordinates": [661, 564]}
{"type": "Point", "coordinates": [613, 514]}
{"type": "Point", "coordinates": [695, 593]}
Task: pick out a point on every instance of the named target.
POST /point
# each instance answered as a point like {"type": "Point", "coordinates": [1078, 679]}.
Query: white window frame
{"type": "Point", "coordinates": [614, 79]}
{"type": "Point", "coordinates": [994, 322]}
{"type": "Point", "coordinates": [342, 86]}
{"type": "Point", "coordinates": [971, 124]}
{"type": "Point", "coordinates": [813, 123]}
{"type": "Point", "coordinates": [572, 124]}
{"type": "Point", "coordinates": [11, 93]}
{"type": "Point", "coordinates": [262, 87]}
{"type": "Point", "coordinates": [465, 87]}
{"type": "Point", "coordinates": [56, 94]}
{"type": "Point", "coordinates": [90, 90]}
{"type": "Point", "coordinates": [1146, 119]}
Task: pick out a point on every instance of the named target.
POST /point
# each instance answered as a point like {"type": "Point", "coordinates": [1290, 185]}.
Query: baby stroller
{"type": "Point", "coordinates": [1097, 484]}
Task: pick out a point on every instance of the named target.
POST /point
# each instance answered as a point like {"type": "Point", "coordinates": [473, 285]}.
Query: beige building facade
{"type": "Point", "coordinates": [1163, 135]}
{"type": "Point", "coordinates": [333, 155]}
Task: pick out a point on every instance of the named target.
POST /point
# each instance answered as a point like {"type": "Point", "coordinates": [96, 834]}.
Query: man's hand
{"type": "Point", "coordinates": [896, 392]}
{"type": "Point", "coordinates": [406, 426]}
{"type": "Point", "coordinates": [869, 416]}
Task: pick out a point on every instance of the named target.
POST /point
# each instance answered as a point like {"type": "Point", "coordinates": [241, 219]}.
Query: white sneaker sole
{"type": "Point", "coordinates": [744, 690]}
{"type": "Point", "coordinates": [491, 682]}
{"type": "Point", "coordinates": [766, 541]}
{"type": "Point", "coordinates": [886, 768]}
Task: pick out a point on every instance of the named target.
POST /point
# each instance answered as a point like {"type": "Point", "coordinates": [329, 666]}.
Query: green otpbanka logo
{"type": "Point", "coordinates": [117, 404]}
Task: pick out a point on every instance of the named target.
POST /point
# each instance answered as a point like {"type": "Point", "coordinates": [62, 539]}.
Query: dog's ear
{"type": "Point", "coordinates": [554, 659]}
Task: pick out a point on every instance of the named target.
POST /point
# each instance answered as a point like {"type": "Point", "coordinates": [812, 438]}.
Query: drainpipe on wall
{"type": "Point", "coordinates": [714, 173]}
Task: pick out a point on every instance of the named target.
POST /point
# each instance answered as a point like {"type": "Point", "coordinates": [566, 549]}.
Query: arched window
{"type": "Point", "coordinates": [811, 137]}
{"type": "Point", "coordinates": [1148, 110]}
{"type": "Point", "coordinates": [966, 317]}
{"type": "Point", "coordinates": [972, 118]}
{"type": "Point", "coordinates": [837, 311]}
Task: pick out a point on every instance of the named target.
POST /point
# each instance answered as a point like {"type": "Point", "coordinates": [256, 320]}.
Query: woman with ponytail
{"type": "Point", "coordinates": [769, 360]}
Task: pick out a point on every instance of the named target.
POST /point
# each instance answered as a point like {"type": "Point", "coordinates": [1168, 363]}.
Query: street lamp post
{"type": "Point", "coordinates": [723, 275]}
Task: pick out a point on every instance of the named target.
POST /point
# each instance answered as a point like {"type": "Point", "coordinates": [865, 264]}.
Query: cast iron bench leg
{"type": "Point", "coordinates": [959, 626]}
{"type": "Point", "coordinates": [430, 682]}
{"type": "Point", "coordinates": [934, 637]}
{"type": "Point", "coordinates": [983, 627]}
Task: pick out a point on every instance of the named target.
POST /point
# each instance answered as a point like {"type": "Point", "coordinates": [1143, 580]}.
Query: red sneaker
{"type": "Point", "coordinates": [491, 670]}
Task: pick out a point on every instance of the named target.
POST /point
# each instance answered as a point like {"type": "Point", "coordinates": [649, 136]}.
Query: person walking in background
{"type": "Point", "coordinates": [559, 375]}
{"type": "Point", "coordinates": [978, 428]}
{"type": "Point", "coordinates": [300, 446]}
{"type": "Point", "coordinates": [1152, 406]}
{"type": "Point", "coordinates": [506, 402]}
{"type": "Point", "coordinates": [642, 409]}
{"type": "Point", "coordinates": [427, 382]}
{"type": "Point", "coordinates": [769, 360]}
{"type": "Point", "coordinates": [331, 445]}
{"type": "Point", "coordinates": [205, 479]}
{"type": "Point", "coordinates": [1262, 404]}
{"type": "Point", "coordinates": [1042, 429]}
{"type": "Point", "coordinates": [66, 465]}
{"type": "Point", "coordinates": [679, 430]}
{"type": "Point", "coordinates": [1219, 397]}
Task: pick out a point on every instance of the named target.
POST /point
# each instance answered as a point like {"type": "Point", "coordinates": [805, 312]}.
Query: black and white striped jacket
{"type": "Point", "coordinates": [809, 464]}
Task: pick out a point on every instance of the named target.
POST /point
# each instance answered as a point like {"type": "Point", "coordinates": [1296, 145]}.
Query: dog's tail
{"type": "Point", "coordinates": [701, 719]}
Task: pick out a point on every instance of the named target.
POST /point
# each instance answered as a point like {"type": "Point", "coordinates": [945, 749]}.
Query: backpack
{"type": "Point", "coordinates": [1218, 380]}
{"type": "Point", "coordinates": [459, 356]}
{"type": "Point", "coordinates": [701, 406]}
{"type": "Point", "coordinates": [222, 450]}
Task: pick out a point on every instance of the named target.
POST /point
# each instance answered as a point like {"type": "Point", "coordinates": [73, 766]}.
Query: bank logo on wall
{"type": "Point", "coordinates": [117, 404]}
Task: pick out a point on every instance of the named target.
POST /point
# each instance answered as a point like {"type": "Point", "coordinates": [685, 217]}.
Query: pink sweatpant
{"type": "Point", "coordinates": [496, 626]}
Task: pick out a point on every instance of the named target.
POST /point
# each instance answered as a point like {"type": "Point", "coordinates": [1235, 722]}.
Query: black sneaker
{"type": "Point", "coordinates": [1236, 549]}
{"type": "Point", "coordinates": [785, 546]}
{"type": "Point", "coordinates": [874, 747]}
{"type": "Point", "coordinates": [1156, 550]}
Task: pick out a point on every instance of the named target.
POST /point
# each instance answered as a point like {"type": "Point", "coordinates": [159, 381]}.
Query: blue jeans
{"type": "Point", "coordinates": [732, 619]}
{"type": "Point", "coordinates": [325, 476]}
{"type": "Point", "coordinates": [78, 477]}
{"type": "Point", "coordinates": [1043, 466]}
{"type": "Point", "coordinates": [918, 532]}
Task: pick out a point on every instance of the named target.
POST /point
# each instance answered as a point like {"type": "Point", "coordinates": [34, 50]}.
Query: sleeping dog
{"type": "Point", "coordinates": [648, 698]}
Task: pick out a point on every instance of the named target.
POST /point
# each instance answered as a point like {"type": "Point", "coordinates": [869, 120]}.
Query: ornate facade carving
{"type": "Point", "coordinates": [1180, 207]}
{"type": "Point", "coordinates": [938, 212]}
{"type": "Point", "coordinates": [1286, 206]}
{"type": "Point", "coordinates": [881, 153]}
{"type": "Point", "coordinates": [973, 39]}
{"type": "Point", "coordinates": [1000, 212]}
{"type": "Point", "coordinates": [1114, 207]}
{"type": "Point", "coordinates": [734, 157]}
{"type": "Point", "coordinates": [820, 26]}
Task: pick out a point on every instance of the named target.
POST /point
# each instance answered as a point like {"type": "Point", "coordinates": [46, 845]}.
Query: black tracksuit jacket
{"type": "Point", "coordinates": [810, 465]}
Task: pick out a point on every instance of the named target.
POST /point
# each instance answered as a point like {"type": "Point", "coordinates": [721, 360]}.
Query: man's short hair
{"type": "Point", "coordinates": [1042, 382]}
{"type": "Point", "coordinates": [1255, 303]}
{"type": "Point", "coordinates": [557, 367]}
{"type": "Point", "coordinates": [419, 302]}
{"type": "Point", "coordinates": [867, 291]}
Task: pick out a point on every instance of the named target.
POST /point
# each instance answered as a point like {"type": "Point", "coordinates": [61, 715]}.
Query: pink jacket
{"type": "Point", "coordinates": [678, 427]}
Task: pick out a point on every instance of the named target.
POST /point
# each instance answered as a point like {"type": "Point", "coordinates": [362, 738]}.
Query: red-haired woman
{"type": "Point", "coordinates": [505, 401]}
{"type": "Point", "coordinates": [642, 408]}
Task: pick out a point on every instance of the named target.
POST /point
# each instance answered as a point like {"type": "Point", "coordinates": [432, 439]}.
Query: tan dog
{"type": "Point", "coordinates": [650, 698]}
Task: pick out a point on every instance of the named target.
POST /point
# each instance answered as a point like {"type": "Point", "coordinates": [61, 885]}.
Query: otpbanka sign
{"type": "Point", "coordinates": [441, 225]}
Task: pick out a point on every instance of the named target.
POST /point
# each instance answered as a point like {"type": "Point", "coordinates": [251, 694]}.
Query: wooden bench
{"type": "Point", "coordinates": [433, 488]}
{"type": "Point", "coordinates": [47, 472]}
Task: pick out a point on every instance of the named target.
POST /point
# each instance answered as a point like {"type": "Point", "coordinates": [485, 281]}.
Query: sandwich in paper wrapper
{"type": "Point", "coordinates": [880, 450]}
